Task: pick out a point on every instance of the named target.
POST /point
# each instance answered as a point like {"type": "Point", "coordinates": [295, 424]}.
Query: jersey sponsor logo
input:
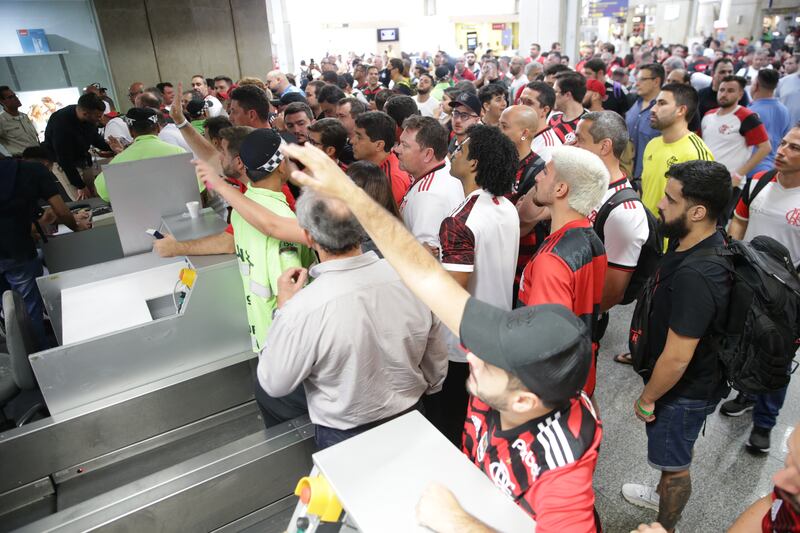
{"type": "Point", "coordinates": [793, 217]}
{"type": "Point", "coordinates": [502, 479]}
{"type": "Point", "coordinates": [527, 457]}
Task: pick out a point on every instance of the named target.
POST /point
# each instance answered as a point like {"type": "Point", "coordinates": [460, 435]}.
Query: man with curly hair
{"type": "Point", "coordinates": [479, 245]}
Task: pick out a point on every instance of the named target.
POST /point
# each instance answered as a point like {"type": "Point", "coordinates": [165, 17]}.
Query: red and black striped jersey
{"type": "Point", "coordinates": [569, 269]}
{"type": "Point", "coordinates": [546, 464]}
{"type": "Point", "coordinates": [564, 129]}
{"type": "Point", "coordinates": [781, 517]}
{"type": "Point", "coordinates": [528, 167]}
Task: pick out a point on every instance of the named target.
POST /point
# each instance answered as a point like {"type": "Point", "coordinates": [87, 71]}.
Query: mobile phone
{"type": "Point", "coordinates": [154, 233]}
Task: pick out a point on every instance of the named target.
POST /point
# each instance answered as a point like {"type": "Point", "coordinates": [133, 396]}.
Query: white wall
{"type": "Point", "coordinates": [69, 25]}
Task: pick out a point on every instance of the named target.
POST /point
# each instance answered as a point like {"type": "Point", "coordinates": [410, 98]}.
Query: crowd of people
{"type": "Point", "coordinates": [468, 223]}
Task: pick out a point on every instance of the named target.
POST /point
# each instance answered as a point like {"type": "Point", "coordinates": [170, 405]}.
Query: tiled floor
{"type": "Point", "coordinates": [725, 478]}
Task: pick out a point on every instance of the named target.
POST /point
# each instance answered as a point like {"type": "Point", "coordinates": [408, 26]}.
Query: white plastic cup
{"type": "Point", "coordinates": [193, 208]}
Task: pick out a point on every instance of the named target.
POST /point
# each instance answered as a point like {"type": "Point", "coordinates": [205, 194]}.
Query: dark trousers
{"type": "Point", "coordinates": [326, 437]}
{"type": "Point", "coordinates": [447, 409]}
{"type": "Point", "coordinates": [277, 410]}
{"type": "Point", "coordinates": [21, 277]}
{"type": "Point", "coordinates": [768, 406]}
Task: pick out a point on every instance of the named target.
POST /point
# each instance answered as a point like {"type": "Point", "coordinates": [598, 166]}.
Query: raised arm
{"type": "Point", "coordinates": [418, 269]}
{"type": "Point", "coordinates": [199, 145]}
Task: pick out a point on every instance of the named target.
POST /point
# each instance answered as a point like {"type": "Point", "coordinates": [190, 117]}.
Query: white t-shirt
{"type": "Point", "coordinates": [428, 201]}
{"type": "Point", "coordinates": [116, 127]}
{"type": "Point", "coordinates": [426, 108]}
{"type": "Point", "coordinates": [481, 236]}
{"type": "Point", "coordinates": [775, 212]}
{"type": "Point", "coordinates": [544, 143]}
{"type": "Point", "coordinates": [172, 135]}
{"type": "Point", "coordinates": [625, 230]}
{"type": "Point", "coordinates": [730, 137]}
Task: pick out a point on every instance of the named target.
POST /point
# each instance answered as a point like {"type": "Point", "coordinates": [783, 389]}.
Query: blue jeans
{"type": "Point", "coordinates": [21, 277]}
{"type": "Point", "coordinates": [671, 436]}
{"type": "Point", "coordinates": [768, 406]}
{"type": "Point", "coordinates": [326, 437]}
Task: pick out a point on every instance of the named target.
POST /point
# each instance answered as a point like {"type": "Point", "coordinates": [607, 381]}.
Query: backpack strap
{"type": "Point", "coordinates": [627, 194]}
{"type": "Point", "coordinates": [763, 181]}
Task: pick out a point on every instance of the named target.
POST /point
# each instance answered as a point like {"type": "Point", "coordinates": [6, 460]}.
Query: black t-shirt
{"type": "Point", "coordinates": [616, 99]}
{"type": "Point", "coordinates": [707, 100]}
{"type": "Point", "coordinates": [22, 184]}
{"type": "Point", "coordinates": [691, 299]}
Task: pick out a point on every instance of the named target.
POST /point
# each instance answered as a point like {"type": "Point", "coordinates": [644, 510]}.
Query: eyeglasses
{"type": "Point", "coordinates": [463, 116]}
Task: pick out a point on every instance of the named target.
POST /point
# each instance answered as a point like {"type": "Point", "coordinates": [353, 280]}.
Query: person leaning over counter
{"type": "Point", "coordinates": [536, 438]}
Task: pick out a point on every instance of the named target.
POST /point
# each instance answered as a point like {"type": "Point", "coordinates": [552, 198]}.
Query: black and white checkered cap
{"type": "Point", "coordinates": [260, 150]}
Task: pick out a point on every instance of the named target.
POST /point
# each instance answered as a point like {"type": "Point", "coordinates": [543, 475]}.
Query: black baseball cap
{"type": "Point", "coordinates": [545, 346]}
{"type": "Point", "coordinates": [288, 98]}
{"type": "Point", "coordinates": [138, 117]}
{"type": "Point", "coordinates": [469, 100]}
{"type": "Point", "coordinates": [260, 153]}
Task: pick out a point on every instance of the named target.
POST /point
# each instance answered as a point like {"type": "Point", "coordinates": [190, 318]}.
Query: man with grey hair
{"type": "Point", "coordinates": [623, 226]}
{"type": "Point", "coordinates": [570, 266]}
{"type": "Point", "coordinates": [363, 347]}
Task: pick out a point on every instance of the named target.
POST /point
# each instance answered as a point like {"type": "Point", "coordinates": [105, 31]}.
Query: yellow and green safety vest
{"type": "Point", "coordinates": [262, 259]}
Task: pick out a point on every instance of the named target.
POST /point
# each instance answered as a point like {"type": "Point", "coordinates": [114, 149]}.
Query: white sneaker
{"type": "Point", "coordinates": [641, 495]}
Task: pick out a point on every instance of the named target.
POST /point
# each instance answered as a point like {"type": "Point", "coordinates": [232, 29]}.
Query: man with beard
{"type": "Point", "coordinates": [570, 88]}
{"type": "Point", "coordinates": [312, 89]}
{"type": "Point", "coordinates": [732, 132]}
{"type": "Point", "coordinates": [518, 79]}
{"type": "Point", "coordinates": [297, 117]}
{"type": "Point", "coordinates": [570, 265]}
{"type": "Point", "coordinates": [472, 65]}
{"type": "Point", "coordinates": [425, 102]}
{"type": "Point", "coordinates": [670, 114]}
{"type": "Point", "coordinates": [515, 411]}
{"type": "Point", "coordinates": [689, 304]}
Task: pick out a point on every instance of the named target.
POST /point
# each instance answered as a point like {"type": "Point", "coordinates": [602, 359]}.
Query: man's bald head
{"type": "Point", "coordinates": [135, 90]}
{"type": "Point", "coordinates": [520, 123]}
{"type": "Point", "coordinates": [277, 82]}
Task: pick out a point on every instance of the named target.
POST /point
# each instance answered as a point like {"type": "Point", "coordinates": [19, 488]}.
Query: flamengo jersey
{"type": "Point", "coordinates": [429, 200]}
{"type": "Point", "coordinates": [625, 230]}
{"type": "Point", "coordinates": [775, 212]}
{"type": "Point", "coordinates": [544, 142]}
{"type": "Point", "coordinates": [659, 156]}
{"type": "Point", "coordinates": [546, 464]}
{"type": "Point", "coordinates": [730, 136]}
{"type": "Point", "coordinates": [565, 129]}
{"type": "Point", "coordinates": [569, 269]}
{"type": "Point", "coordinates": [482, 237]}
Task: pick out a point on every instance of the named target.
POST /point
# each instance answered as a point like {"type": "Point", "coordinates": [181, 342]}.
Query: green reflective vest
{"type": "Point", "coordinates": [262, 259]}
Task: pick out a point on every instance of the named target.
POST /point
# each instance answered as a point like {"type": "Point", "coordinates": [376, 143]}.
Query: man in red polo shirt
{"type": "Point", "coordinates": [373, 139]}
{"type": "Point", "coordinates": [570, 265]}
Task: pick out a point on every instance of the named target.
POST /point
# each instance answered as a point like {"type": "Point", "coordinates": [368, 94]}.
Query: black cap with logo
{"type": "Point", "coordinates": [469, 100]}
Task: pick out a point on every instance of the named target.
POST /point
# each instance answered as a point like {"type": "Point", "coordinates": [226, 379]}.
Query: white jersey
{"type": "Point", "coordinates": [775, 212]}
{"type": "Point", "coordinates": [215, 108]}
{"type": "Point", "coordinates": [625, 230]}
{"type": "Point", "coordinates": [544, 143]}
{"type": "Point", "coordinates": [481, 236]}
{"type": "Point", "coordinates": [428, 201]}
{"type": "Point", "coordinates": [426, 108]}
{"type": "Point", "coordinates": [117, 127]}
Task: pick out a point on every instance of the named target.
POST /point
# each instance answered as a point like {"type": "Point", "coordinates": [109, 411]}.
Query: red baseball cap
{"type": "Point", "coordinates": [596, 86]}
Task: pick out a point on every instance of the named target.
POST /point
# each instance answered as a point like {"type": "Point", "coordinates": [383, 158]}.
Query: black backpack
{"type": "Point", "coordinates": [761, 332]}
{"type": "Point", "coordinates": [652, 249]}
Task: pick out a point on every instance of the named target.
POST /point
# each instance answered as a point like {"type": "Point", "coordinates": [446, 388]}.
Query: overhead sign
{"type": "Point", "coordinates": [608, 8]}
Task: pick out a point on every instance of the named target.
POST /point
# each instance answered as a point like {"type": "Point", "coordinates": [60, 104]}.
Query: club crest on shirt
{"type": "Point", "coordinates": [501, 478]}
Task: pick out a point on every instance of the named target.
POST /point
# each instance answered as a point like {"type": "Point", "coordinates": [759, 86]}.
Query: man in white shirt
{"type": "Point", "coordinates": [434, 193]}
{"type": "Point", "coordinates": [732, 132]}
{"type": "Point", "coordinates": [770, 205]}
{"type": "Point", "coordinates": [357, 340]}
{"type": "Point", "coordinates": [540, 97]}
{"type": "Point", "coordinates": [480, 241]}
{"type": "Point", "coordinates": [17, 131]}
{"type": "Point", "coordinates": [214, 107]}
{"type": "Point", "coordinates": [519, 79]}
{"type": "Point", "coordinates": [425, 102]}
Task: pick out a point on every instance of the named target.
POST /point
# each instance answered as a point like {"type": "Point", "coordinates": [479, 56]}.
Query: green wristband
{"type": "Point", "coordinates": [642, 410]}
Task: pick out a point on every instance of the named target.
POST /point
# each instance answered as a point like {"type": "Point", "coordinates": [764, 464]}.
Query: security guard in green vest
{"type": "Point", "coordinates": [262, 258]}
